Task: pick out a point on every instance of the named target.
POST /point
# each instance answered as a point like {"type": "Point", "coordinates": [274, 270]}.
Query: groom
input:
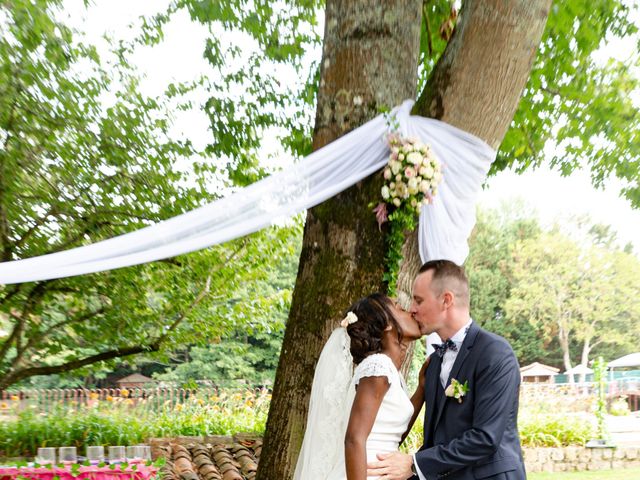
{"type": "Point", "coordinates": [474, 436]}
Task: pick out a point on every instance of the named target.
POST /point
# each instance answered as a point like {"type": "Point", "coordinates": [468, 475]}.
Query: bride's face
{"type": "Point", "coordinates": [410, 328]}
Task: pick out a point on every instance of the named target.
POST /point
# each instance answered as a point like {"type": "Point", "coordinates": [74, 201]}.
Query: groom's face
{"type": "Point", "coordinates": [426, 307]}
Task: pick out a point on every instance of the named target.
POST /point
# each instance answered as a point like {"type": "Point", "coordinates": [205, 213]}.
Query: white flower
{"type": "Point", "coordinates": [409, 172]}
{"type": "Point", "coordinates": [427, 171]}
{"type": "Point", "coordinates": [415, 158]}
{"type": "Point", "coordinates": [395, 166]}
{"type": "Point", "coordinates": [398, 178]}
{"type": "Point", "coordinates": [400, 156]}
{"type": "Point", "coordinates": [387, 173]}
{"type": "Point", "coordinates": [396, 202]}
{"type": "Point", "coordinates": [450, 390]}
{"type": "Point", "coordinates": [402, 190]}
{"type": "Point", "coordinates": [385, 192]}
{"type": "Point", "coordinates": [350, 319]}
{"type": "Point", "coordinates": [425, 186]}
{"type": "Point", "coordinates": [392, 185]}
{"type": "Point", "coordinates": [412, 186]}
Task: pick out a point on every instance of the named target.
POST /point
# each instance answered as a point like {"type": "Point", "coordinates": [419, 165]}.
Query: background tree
{"type": "Point", "coordinates": [83, 157]}
{"type": "Point", "coordinates": [490, 270]}
{"type": "Point", "coordinates": [580, 294]}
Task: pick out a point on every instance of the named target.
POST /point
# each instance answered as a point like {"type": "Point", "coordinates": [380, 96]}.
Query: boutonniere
{"type": "Point", "coordinates": [457, 390]}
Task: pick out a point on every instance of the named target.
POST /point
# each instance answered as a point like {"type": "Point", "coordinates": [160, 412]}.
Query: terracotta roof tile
{"type": "Point", "coordinates": [228, 458]}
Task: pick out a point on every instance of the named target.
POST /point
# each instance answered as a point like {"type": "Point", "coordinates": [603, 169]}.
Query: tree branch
{"type": "Point", "coordinates": [33, 340]}
{"type": "Point", "coordinates": [75, 364]}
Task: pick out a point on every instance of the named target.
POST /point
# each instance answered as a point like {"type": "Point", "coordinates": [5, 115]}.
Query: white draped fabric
{"type": "Point", "coordinates": [444, 226]}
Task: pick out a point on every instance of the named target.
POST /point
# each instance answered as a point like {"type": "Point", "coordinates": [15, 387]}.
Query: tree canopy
{"type": "Point", "coordinates": [84, 157]}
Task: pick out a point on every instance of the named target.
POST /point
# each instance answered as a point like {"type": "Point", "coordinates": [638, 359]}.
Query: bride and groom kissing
{"type": "Point", "coordinates": [469, 386]}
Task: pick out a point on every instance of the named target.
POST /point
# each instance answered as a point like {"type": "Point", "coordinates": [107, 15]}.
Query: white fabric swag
{"type": "Point", "coordinates": [445, 225]}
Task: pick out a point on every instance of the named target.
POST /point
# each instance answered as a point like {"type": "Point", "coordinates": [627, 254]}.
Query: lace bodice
{"type": "Point", "coordinates": [393, 416]}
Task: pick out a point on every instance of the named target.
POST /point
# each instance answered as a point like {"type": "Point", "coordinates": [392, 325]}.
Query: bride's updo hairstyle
{"type": "Point", "coordinates": [374, 315]}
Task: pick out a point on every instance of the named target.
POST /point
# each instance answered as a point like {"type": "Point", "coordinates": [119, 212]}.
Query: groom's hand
{"type": "Point", "coordinates": [391, 466]}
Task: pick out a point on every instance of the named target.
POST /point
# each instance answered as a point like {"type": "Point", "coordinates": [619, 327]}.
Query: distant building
{"type": "Point", "coordinates": [538, 373]}
{"type": "Point", "coordinates": [135, 380]}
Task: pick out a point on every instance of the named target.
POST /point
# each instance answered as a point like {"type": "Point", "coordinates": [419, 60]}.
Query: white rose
{"type": "Point", "coordinates": [392, 185]}
{"type": "Point", "coordinates": [398, 178]}
{"type": "Point", "coordinates": [401, 157]}
{"type": "Point", "coordinates": [415, 158]}
{"type": "Point", "coordinates": [396, 202]}
{"type": "Point", "coordinates": [449, 391]}
{"type": "Point", "coordinates": [402, 191]}
{"type": "Point", "coordinates": [427, 171]}
{"type": "Point", "coordinates": [395, 167]}
{"type": "Point", "coordinates": [424, 186]}
{"type": "Point", "coordinates": [387, 173]}
{"type": "Point", "coordinates": [385, 192]}
{"type": "Point", "coordinates": [413, 183]}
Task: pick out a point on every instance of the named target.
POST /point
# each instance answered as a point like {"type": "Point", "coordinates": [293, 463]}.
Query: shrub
{"type": "Point", "coordinates": [121, 421]}
{"type": "Point", "coordinates": [554, 430]}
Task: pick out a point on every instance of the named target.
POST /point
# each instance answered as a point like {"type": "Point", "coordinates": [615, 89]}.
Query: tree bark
{"type": "Point", "coordinates": [370, 51]}
{"type": "Point", "coordinates": [369, 61]}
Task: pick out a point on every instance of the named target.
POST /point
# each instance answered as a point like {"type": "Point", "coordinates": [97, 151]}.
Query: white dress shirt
{"type": "Point", "coordinates": [448, 360]}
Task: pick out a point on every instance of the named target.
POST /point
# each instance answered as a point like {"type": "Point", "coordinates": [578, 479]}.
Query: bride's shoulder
{"type": "Point", "coordinates": [376, 365]}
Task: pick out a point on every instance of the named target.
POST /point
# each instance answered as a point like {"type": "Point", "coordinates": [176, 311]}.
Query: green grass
{"type": "Point", "coordinates": [621, 474]}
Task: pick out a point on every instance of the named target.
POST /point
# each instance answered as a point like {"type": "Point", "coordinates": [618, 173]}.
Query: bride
{"type": "Point", "coordinates": [356, 414]}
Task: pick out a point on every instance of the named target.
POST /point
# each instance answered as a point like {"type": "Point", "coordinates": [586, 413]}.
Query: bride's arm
{"type": "Point", "coordinates": [417, 399]}
{"type": "Point", "coordinates": [369, 394]}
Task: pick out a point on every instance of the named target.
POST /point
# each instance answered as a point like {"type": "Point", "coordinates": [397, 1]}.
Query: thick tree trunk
{"type": "Point", "coordinates": [369, 61]}
{"type": "Point", "coordinates": [370, 51]}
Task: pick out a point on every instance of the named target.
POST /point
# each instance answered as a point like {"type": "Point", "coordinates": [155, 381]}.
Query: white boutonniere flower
{"type": "Point", "coordinates": [457, 390]}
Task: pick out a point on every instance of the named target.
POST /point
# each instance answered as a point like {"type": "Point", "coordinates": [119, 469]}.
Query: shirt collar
{"type": "Point", "coordinates": [462, 333]}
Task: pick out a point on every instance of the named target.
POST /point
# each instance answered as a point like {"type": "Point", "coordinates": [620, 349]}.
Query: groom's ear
{"type": "Point", "coordinates": [447, 299]}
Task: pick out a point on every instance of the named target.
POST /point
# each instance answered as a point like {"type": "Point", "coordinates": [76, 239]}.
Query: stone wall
{"type": "Point", "coordinates": [568, 459]}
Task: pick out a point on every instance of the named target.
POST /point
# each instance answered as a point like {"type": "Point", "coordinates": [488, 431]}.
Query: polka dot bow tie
{"type": "Point", "coordinates": [444, 346]}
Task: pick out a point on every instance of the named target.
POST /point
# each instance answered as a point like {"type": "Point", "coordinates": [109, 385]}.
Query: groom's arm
{"type": "Point", "coordinates": [496, 390]}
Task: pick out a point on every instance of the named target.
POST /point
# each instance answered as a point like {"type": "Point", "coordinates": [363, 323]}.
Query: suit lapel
{"type": "Point", "coordinates": [468, 342]}
{"type": "Point", "coordinates": [431, 390]}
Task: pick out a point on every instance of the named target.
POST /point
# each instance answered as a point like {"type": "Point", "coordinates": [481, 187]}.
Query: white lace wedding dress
{"type": "Point", "coordinates": [332, 393]}
{"type": "Point", "coordinates": [393, 416]}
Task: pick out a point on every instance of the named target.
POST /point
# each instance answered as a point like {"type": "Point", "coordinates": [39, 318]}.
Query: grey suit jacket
{"type": "Point", "coordinates": [478, 438]}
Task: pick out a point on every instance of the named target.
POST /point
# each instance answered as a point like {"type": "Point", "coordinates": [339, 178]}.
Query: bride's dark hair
{"type": "Point", "coordinates": [374, 315]}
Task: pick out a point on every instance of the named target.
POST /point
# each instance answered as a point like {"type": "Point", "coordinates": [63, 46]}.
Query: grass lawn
{"type": "Point", "coordinates": [621, 474]}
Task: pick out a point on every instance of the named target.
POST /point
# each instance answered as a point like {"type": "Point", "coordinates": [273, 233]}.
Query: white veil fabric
{"type": "Point", "coordinates": [445, 225]}
{"type": "Point", "coordinates": [329, 409]}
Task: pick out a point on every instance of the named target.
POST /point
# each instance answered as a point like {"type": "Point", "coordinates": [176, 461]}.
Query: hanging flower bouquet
{"type": "Point", "coordinates": [412, 177]}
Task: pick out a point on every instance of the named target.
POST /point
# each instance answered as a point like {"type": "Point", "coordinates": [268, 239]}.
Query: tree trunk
{"type": "Point", "coordinates": [563, 339]}
{"type": "Point", "coordinates": [370, 51]}
{"type": "Point", "coordinates": [369, 61]}
{"type": "Point", "coordinates": [584, 360]}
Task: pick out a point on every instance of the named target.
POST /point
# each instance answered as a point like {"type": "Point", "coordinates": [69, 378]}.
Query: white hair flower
{"type": "Point", "coordinates": [349, 319]}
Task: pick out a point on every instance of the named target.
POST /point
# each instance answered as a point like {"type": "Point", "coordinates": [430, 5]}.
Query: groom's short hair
{"type": "Point", "coordinates": [447, 275]}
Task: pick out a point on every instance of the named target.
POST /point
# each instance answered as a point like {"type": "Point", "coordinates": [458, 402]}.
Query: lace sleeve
{"type": "Point", "coordinates": [376, 365]}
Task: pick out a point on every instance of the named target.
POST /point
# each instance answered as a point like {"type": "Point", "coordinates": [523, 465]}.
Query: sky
{"type": "Point", "coordinates": [179, 58]}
